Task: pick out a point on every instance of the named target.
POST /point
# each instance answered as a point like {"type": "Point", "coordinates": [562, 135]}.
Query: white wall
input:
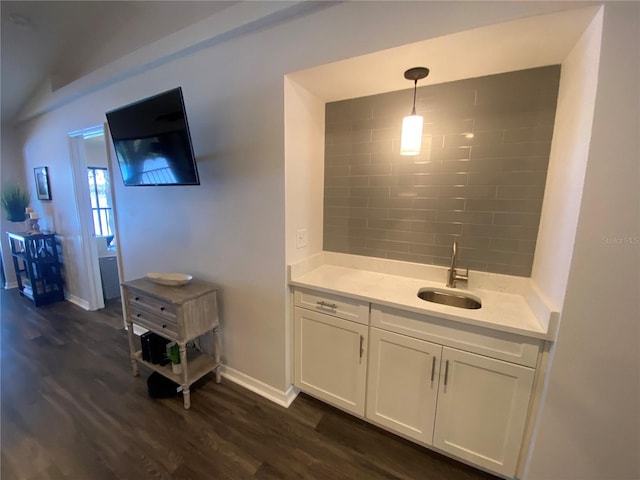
{"type": "Point", "coordinates": [567, 165]}
{"type": "Point", "coordinates": [590, 422]}
{"type": "Point", "coordinates": [46, 143]}
{"type": "Point", "coordinates": [11, 172]}
{"type": "Point", "coordinates": [304, 169]}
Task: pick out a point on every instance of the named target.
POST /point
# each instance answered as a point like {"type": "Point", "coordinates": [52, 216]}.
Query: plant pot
{"type": "Point", "coordinates": [16, 217]}
{"type": "Point", "coordinates": [176, 368]}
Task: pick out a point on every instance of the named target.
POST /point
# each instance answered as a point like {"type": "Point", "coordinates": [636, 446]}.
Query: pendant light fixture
{"type": "Point", "coordinates": [412, 124]}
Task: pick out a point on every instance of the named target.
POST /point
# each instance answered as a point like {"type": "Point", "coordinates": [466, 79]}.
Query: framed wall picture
{"type": "Point", "coordinates": [42, 183]}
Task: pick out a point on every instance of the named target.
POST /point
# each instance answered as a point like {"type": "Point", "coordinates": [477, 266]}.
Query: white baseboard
{"type": "Point", "coordinates": [77, 301]}
{"type": "Point", "coordinates": [10, 285]}
{"type": "Point", "coordinates": [282, 398]}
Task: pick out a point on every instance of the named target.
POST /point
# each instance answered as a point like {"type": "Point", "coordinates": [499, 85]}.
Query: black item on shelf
{"type": "Point", "coordinates": [145, 340]}
{"type": "Point", "coordinates": [154, 348]}
{"type": "Point", "coordinates": [161, 387]}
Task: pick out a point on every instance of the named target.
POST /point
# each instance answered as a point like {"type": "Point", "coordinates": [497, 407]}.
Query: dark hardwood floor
{"type": "Point", "coordinates": [72, 410]}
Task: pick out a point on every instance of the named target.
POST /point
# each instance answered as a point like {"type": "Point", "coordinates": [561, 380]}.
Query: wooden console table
{"type": "Point", "coordinates": [180, 314]}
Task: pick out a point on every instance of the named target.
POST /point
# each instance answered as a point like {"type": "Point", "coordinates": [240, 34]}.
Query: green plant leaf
{"type": "Point", "coordinates": [14, 201]}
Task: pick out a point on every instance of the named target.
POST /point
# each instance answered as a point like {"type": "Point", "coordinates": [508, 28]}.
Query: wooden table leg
{"type": "Point", "coordinates": [216, 353]}
{"type": "Point", "coordinates": [186, 396]}
{"type": "Point", "coordinates": [132, 350]}
{"type": "Point", "coordinates": [186, 393]}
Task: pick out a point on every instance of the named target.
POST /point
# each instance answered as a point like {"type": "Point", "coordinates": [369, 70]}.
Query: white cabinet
{"type": "Point", "coordinates": [331, 354]}
{"type": "Point", "coordinates": [482, 409]}
{"type": "Point", "coordinates": [404, 374]}
{"type": "Point", "coordinates": [472, 406]}
{"type": "Point", "coordinates": [460, 389]}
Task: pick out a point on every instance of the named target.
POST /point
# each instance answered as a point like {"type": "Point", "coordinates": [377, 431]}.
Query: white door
{"type": "Point", "coordinates": [403, 383]}
{"type": "Point", "coordinates": [330, 359]}
{"type": "Point", "coordinates": [482, 409]}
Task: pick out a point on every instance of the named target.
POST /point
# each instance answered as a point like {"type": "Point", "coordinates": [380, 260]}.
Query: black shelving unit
{"type": "Point", "coordinates": [38, 269]}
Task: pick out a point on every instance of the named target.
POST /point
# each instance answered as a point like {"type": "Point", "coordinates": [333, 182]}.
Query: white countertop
{"type": "Point", "coordinates": [507, 312]}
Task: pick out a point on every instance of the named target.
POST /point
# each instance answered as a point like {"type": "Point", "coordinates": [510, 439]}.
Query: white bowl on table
{"type": "Point", "coordinates": [170, 279]}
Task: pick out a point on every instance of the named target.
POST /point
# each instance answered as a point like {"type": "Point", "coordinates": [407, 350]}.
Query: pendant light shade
{"type": "Point", "coordinates": [412, 125]}
{"type": "Point", "coordinates": [411, 135]}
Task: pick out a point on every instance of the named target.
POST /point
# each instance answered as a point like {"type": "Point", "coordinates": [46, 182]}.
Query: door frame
{"type": "Point", "coordinates": [89, 249]}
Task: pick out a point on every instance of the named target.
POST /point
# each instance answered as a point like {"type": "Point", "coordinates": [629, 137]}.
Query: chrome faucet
{"type": "Point", "coordinates": [452, 274]}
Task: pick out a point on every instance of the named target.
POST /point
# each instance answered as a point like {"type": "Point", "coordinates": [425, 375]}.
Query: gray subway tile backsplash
{"type": "Point", "coordinates": [479, 178]}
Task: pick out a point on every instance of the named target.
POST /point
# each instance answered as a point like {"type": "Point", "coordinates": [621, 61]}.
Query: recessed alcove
{"type": "Point", "coordinates": [569, 38]}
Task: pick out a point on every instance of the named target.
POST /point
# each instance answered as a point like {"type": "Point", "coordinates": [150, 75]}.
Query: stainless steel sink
{"type": "Point", "coordinates": [452, 299]}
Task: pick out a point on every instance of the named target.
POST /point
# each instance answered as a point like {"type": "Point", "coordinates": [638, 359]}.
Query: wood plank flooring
{"type": "Point", "coordinates": [72, 410]}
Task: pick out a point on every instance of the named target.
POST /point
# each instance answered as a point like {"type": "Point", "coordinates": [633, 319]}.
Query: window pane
{"type": "Point", "coordinates": [98, 191]}
{"type": "Point", "coordinates": [104, 225]}
{"type": "Point", "coordinates": [96, 222]}
{"type": "Point", "coordinates": [108, 230]}
{"type": "Point", "coordinates": [92, 188]}
{"type": "Point", "coordinates": [102, 184]}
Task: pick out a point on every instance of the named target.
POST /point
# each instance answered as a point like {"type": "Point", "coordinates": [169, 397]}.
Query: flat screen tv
{"type": "Point", "coordinates": [152, 141]}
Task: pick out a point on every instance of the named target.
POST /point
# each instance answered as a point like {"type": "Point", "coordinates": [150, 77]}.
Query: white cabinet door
{"type": "Point", "coordinates": [403, 384]}
{"type": "Point", "coordinates": [482, 409]}
{"type": "Point", "coordinates": [331, 359]}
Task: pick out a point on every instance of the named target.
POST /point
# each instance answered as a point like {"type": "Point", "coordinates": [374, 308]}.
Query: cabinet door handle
{"type": "Point", "coordinates": [322, 303]}
{"type": "Point", "coordinates": [446, 373]}
{"type": "Point", "coordinates": [433, 368]}
{"type": "Point", "coordinates": [162, 309]}
{"type": "Point", "coordinates": [137, 298]}
{"type": "Point", "coordinates": [138, 315]}
{"type": "Point", "coordinates": [361, 346]}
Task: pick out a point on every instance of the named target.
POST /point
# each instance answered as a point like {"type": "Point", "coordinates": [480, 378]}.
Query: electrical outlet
{"type": "Point", "coordinates": [301, 238]}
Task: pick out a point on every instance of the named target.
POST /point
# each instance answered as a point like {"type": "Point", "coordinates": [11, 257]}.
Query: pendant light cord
{"type": "Point", "coordinates": [415, 86]}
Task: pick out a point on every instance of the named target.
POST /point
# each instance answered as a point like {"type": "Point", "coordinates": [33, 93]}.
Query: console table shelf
{"type": "Point", "coordinates": [198, 367]}
{"type": "Point", "coordinates": [180, 314]}
{"type": "Point", "coordinates": [38, 270]}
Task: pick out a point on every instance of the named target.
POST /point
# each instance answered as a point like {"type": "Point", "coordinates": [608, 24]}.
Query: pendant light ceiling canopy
{"type": "Point", "coordinates": [412, 124]}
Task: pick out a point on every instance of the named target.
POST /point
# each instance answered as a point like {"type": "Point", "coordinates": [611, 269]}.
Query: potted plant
{"type": "Point", "coordinates": [173, 354]}
{"type": "Point", "coordinates": [14, 201]}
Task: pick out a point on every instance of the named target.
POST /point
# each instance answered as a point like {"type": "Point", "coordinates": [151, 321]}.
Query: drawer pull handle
{"type": "Point", "coordinates": [138, 315]}
{"type": "Point", "coordinates": [446, 373]}
{"type": "Point", "coordinates": [162, 309]}
{"type": "Point", "coordinates": [164, 325]}
{"type": "Point", "coordinates": [322, 303]}
{"type": "Point", "coordinates": [137, 298]}
{"type": "Point", "coordinates": [433, 369]}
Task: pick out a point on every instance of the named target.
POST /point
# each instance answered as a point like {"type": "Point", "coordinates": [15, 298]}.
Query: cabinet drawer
{"type": "Point", "coordinates": [152, 304]}
{"type": "Point", "coordinates": [342, 307]}
{"type": "Point", "coordinates": [156, 323]}
{"type": "Point", "coordinates": [492, 343]}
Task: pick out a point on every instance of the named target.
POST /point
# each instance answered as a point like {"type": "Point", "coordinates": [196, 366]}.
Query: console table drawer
{"type": "Point", "coordinates": [164, 326]}
{"type": "Point", "coordinates": [152, 304]}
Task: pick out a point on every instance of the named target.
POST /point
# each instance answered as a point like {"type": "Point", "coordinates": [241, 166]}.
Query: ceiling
{"type": "Point", "coordinates": [60, 41]}
{"type": "Point", "coordinates": [534, 41]}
